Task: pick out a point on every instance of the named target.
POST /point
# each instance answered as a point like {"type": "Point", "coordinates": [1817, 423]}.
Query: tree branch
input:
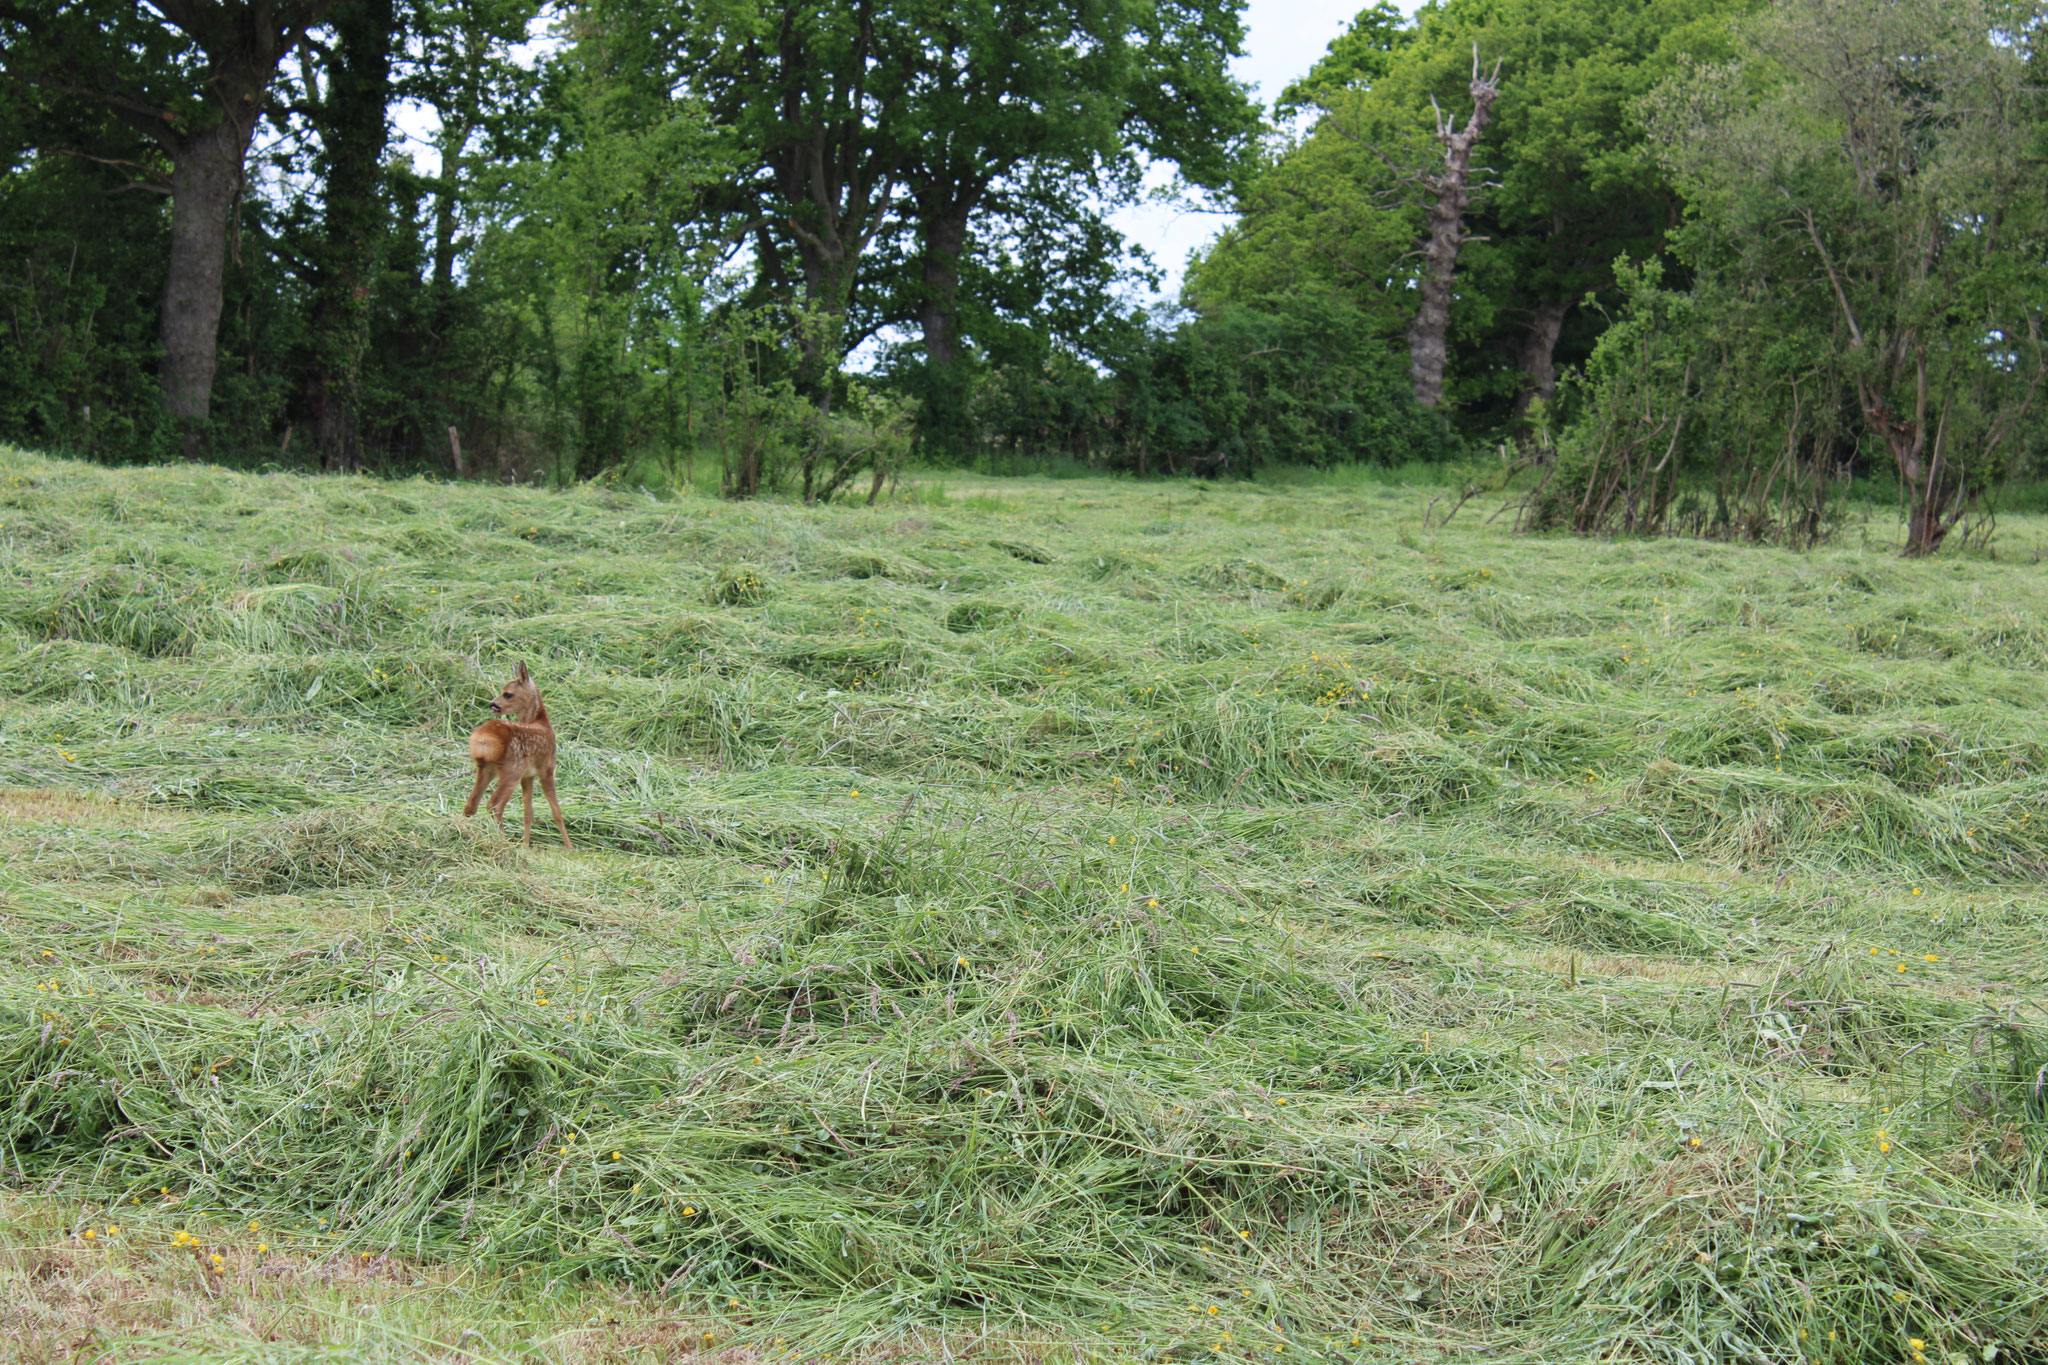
{"type": "Point", "coordinates": [152, 178]}
{"type": "Point", "coordinates": [151, 120]}
{"type": "Point", "coordinates": [1828, 263]}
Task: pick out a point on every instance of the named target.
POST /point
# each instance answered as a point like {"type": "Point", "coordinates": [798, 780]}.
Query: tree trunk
{"type": "Point", "coordinates": [351, 122]}
{"type": "Point", "coordinates": [1936, 497]}
{"type": "Point", "coordinates": [945, 238]}
{"type": "Point", "coordinates": [1536, 356]}
{"type": "Point", "coordinates": [452, 144]}
{"type": "Point", "coordinates": [942, 425]}
{"type": "Point", "coordinates": [206, 179]}
{"type": "Point", "coordinates": [1452, 188]}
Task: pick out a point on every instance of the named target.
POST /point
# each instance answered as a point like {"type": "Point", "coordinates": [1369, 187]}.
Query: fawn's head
{"type": "Point", "coordinates": [520, 700]}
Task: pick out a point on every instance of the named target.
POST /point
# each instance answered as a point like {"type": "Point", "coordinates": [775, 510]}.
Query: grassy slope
{"type": "Point", "coordinates": [1076, 919]}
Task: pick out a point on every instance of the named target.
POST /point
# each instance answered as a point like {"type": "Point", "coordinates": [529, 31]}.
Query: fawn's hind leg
{"type": "Point", "coordinates": [483, 779]}
{"type": "Point", "coordinates": [499, 799]}
{"type": "Point", "coordinates": [526, 791]}
{"type": "Point", "coordinates": [547, 786]}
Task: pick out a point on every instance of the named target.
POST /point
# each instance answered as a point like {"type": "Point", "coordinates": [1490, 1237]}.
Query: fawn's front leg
{"type": "Point", "coordinates": [526, 791]}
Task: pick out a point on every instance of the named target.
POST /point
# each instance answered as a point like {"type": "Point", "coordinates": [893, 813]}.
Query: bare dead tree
{"type": "Point", "coordinates": [1452, 193]}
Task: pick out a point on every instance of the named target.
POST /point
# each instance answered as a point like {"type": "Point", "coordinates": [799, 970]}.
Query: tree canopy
{"type": "Point", "coordinates": [1865, 232]}
{"type": "Point", "coordinates": [1569, 179]}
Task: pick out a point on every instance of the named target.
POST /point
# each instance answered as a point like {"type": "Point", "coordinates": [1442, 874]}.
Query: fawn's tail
{"type": "Point", "coordinates": [486, 747]}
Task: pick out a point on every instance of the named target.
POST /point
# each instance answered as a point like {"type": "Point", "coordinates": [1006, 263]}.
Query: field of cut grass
{"type": "Point", "coordinates": [1028, 921]}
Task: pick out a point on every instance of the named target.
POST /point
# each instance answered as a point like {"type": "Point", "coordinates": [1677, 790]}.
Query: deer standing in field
{"type": "Point", "coordinates": [517, 747]}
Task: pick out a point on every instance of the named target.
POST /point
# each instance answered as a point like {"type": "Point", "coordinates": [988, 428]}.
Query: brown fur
{"type": "Point", "coordinates": [517, 747]}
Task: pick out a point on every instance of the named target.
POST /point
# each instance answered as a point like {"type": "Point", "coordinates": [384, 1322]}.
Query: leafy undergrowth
{"type": "Point", "coordinates": [1041, 922]}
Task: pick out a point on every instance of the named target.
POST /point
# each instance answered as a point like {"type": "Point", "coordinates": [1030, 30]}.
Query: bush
{"type": "Point", "coordinates": [1297, 379]}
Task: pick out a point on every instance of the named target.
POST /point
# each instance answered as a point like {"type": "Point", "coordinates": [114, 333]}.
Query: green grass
{"type": "Point", "coordinates": [1046, 921]}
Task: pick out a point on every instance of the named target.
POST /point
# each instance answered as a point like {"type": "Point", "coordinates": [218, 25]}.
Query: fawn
{"type": "Point", "coordinates": [517, 747]}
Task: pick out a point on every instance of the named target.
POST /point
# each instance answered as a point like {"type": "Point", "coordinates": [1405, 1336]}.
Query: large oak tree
{"type": "Point", "coordinates": [884, 146]}
{"type": "Point", "coordinates": [195, 77]}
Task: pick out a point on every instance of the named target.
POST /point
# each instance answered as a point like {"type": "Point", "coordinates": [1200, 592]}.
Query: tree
{"type": "Point", "coordinates": [465, 75]}
{"type": "Point", "coordinates": [885, 146]}
{"type": "Point", "coordinates": [347, 105]}
{"type": "Point", "coordinates": [194, 76]}
{"type": "Point", "coordinates": [1025, 116]}
{"type": "Point", "coordinates": [1571, 182]}
{"type": "Point", "coordinates": [1355, 60]}
{"type": "Point", "coordinates": [810, 94]}
{"type": "Point", "coordinates": [83, 233]}
{"type": "Point", "coordinates": [587, 248]}
{"type": "Point", "coordinates": [438, 332]}
{"type": "Point", "coordinates": [1874, 171]}
{"type": "Point", "coordinates": [1450, 192]}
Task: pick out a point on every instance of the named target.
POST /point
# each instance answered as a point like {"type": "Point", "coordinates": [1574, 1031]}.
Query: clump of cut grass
{"type": "Point", "coordinates": [739, 585]}
{"type": "Point", "coordinates": [1191, 938]}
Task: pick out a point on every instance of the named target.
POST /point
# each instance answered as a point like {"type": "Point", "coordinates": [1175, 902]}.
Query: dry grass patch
{"type": "Point", "coordinates": [132, 1292]}
{"type": "Point", "coordinates": [71, 808]}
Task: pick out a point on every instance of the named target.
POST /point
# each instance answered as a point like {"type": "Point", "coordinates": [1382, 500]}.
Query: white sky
{"type": "Point", "coordinates": [1283, 39]}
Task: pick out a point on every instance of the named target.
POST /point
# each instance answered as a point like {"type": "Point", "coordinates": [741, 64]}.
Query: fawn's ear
{"type": "Point", "coordinates": [523, 675]}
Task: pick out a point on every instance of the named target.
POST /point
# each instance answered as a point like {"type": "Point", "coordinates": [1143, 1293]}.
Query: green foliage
{"type": "Point", "coordinates": [655, 245]}
{"type": "Point", "coordinates": [1572, 181]}
{"type": "Point", "coordinates": [1862, 214]}
{"type": "Point", "coordinates": [949, 168]}
{"type": "Point", "coordinates": [76, 326]}
{"type": "Point", "coordinates": [590, 262]}
{"type": "Point", "coordinates": [1677, 425]}
{"type": "Point", "coordinates": [1298, 378]}
{"type": "Point", "coordinates": [1356, 59]}
{"type": "Point", "coordinates": [537, 304]}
